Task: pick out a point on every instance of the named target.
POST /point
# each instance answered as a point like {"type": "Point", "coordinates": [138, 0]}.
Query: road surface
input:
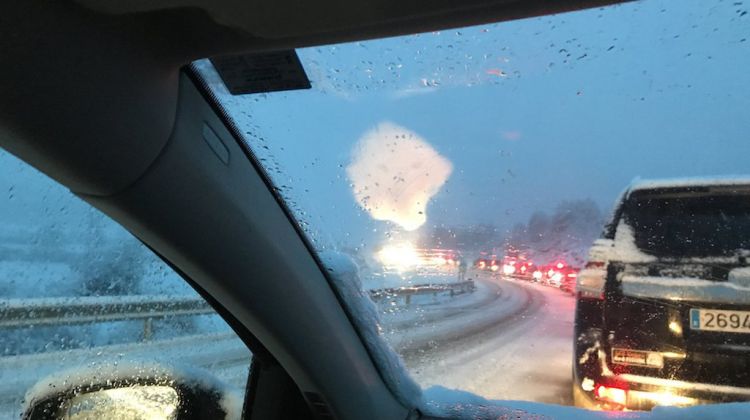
{"type": "Point", "coordinates": [513, 340]}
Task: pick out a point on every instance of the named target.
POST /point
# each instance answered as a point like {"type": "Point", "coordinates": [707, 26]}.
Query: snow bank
{"type": "Point", "coordinates": [685, 289]}
{"type": "Point", "coordinates": [345, 277]}
{"type": "Point", "coordinates": [394, 174]}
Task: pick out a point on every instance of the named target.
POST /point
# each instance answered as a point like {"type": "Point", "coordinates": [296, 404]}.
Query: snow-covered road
{"type": "Point", "coordinates": [512, 340]}
{"type": "Point", "coordinates": [508, 340]}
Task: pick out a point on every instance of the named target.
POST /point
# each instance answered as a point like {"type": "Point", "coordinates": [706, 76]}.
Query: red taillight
{"type": "Point", "coordinates": [572, 275]}
{"type": "Point", "coordinates": [610, 394]}
{"type": "Point", "coordinates": [560, 265]}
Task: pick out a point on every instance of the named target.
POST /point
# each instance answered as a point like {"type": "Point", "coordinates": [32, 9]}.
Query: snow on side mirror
{"type": "Point", "coordinates": [132, 391]}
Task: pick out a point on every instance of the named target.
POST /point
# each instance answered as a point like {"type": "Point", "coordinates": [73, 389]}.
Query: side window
{"type": "Point", "coordinates": [78, 292]}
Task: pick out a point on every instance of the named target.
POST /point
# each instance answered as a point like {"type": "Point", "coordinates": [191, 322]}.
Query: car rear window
{"type": "Point", "coordinates": [691, 224]}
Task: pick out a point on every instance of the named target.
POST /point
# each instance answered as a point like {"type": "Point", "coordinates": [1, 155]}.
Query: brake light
{"type": "Point", "coordinates": [572, 275]}
{"type": "Point", "coordinates": [610, 394]}
{"type": "Point", "coordinates": [560, 265]}
{"type": "Point", "coordinates": [508, 269]}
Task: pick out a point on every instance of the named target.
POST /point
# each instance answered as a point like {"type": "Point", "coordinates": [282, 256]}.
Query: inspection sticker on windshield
{"type": "Point", "coordinates": [261, 72]}
{"type": "Point", "coordinates": [720, 320]}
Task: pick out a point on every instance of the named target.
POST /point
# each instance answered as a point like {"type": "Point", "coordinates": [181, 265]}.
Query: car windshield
{"type": "Point", "coordinates": [692, 224]}
{"type": "Point", "coordinates": [464, 175]}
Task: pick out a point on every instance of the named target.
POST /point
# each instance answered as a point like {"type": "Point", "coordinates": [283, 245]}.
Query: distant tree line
{"type": "Point", "coordinates": [471, 238]}
{"type": "Point", "coordinates": [565, 234]}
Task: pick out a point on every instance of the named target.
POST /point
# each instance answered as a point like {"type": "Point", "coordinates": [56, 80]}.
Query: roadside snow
{"type": "Point", "coordinates": [393, 280]}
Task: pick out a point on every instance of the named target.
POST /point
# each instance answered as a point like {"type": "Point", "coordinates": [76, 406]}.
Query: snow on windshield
{"type": "Point", "coordinates": [467, 172]}
{"type": "Point", "coordinates": [395, 173]}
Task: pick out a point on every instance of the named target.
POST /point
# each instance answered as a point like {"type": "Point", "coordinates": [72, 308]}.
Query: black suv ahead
{"type": "Point", "coordinates": [663, 314]}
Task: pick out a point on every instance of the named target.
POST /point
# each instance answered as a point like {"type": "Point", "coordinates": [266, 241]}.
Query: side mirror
{"type": "Point", "coordinates": [131, 391]}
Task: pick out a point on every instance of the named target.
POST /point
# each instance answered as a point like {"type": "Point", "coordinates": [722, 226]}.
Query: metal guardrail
{"type": "Point", "coordinates": [90, 309]}
{"type": "Point", "coordinates": [15, 313]}
{"type": "Point", "coordinates": [19, 313]}
{"type": "Point", "coordinates": [453, 289]}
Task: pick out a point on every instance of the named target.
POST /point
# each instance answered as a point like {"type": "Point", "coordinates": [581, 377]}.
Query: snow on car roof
{"type": "Point", "coordinates": [726, 180]}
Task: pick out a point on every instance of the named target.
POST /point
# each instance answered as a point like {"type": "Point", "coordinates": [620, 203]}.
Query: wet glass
{"type": "Point", "coordinates": [78, 290]}
{"type": "Point", "coordinates": [467, 172]}
{"type": "Point", "coordinates": [693, 224]}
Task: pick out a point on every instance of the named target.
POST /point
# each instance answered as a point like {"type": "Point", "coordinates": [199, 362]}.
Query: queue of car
{"type": "Point", "coordinates": [558, 273]}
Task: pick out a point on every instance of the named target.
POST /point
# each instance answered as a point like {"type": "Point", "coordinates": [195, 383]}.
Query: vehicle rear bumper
{"type": "Point", "coordinates": [645, 392]}
{"type": "Point", "coordinates": [648, 392]}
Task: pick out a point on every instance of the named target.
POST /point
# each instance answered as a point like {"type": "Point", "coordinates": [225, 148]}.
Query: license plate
{"type": "Point", "coordinates": [720, 320]}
